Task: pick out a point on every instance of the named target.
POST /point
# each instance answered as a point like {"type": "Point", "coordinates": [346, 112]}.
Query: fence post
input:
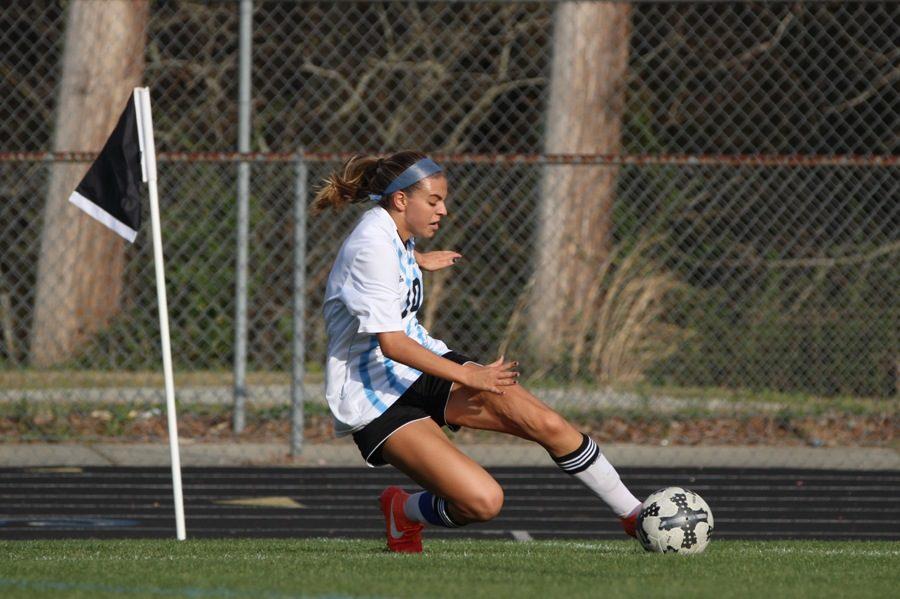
{"type": "Point", "coordinates": [298, 365]}
{"type": "Point", "coordinates": [243, 225]}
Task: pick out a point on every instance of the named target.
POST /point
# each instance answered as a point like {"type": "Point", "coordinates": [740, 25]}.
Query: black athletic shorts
{"type": "Point", "coordinates": [426, 398]}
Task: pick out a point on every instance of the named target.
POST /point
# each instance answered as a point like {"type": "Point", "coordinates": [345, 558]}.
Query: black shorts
{"type": "Point", "coordinates": [426, 398]}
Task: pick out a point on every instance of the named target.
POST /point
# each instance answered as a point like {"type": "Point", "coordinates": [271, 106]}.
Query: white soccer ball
{"type": "Point", "coordinates": [674, 520]}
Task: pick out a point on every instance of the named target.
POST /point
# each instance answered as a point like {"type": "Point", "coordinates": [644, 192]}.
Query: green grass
{"type": "Point", "coordinates": [259, 569]}
{"type": "Point", "coordinates": [24, 378]}
{"type": "Point", "coordinates": [795, 403]}
{"type": "Point", "coordinates": [23, 421]}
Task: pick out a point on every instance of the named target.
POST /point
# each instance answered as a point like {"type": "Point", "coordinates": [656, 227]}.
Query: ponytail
{"type": "Point", "coordinates": [360, 177]}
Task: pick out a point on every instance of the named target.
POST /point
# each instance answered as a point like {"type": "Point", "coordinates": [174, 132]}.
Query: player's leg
{"type": "Point", "coordinates": [518, 412]}
{"type": "Point", "coordinates": [457, 489]}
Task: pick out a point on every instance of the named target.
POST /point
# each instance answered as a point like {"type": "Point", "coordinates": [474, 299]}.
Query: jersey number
{"type": "Point", "coordinates": [413, 298]}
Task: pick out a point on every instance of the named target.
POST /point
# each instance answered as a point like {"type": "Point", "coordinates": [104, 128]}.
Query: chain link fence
{"type": "Point", "coordinates": [682, 218]}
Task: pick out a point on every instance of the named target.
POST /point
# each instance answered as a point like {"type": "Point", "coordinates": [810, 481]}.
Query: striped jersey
{"type": "Point", "coordinates": [375, 286]}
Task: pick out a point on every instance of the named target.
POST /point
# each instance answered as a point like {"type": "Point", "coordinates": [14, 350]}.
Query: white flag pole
{"type": "Point", "coordinates": [148, 162]}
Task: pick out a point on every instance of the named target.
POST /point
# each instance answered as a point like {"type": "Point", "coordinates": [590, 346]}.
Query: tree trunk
{"type": "Point", "coordinates": [587, 97]}
{"type": "Point", "coordinates": [79, 278]}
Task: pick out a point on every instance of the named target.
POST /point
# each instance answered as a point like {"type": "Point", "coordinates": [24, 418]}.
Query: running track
{"type": "Point", "coordinates": [541, 503]}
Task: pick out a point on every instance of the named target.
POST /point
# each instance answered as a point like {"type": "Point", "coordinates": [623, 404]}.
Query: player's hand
{"type": "Point", "coordinates": [432, 261]}
{"type": "Point", "coordinates": [493, 377]}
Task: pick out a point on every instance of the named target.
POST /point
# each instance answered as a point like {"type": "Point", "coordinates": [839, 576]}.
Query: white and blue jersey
{"type": "Point", "coordinates": [375, 286]}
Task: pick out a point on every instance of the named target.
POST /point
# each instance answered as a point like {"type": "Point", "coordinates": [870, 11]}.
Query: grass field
{"type": "Point", "coordinates": [261, 569]}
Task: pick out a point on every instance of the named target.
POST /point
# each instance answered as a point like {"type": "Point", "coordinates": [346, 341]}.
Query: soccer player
{"type": "Point", "coordinates": [393, 386]}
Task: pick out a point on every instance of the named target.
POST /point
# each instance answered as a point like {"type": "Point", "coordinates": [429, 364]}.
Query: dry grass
{"type": "Point", "coordinates": [622, 332]}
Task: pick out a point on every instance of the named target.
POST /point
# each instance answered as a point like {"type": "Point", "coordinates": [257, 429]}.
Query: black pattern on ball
{"type": "Point", "coordinates": [685, 518]}
{"type": "Point", "coordinates": [650, 510]}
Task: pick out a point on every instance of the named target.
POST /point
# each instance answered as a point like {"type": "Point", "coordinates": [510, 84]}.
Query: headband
{"type": "Point", "coordinates": [415, 173]}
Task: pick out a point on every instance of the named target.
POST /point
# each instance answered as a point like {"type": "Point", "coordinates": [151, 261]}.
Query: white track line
{"type": "Point", "coordinates": [521, 535]}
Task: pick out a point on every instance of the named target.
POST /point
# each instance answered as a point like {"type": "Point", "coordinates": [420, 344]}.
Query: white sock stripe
{"type": "Point", "coordinates": [441, 506]}
{"type": "Point", "coordinates": [587, 461]}
{"type": "Point", "coordinates": [589, 451]}
{"type": "Point", "coordinates": [583, 462]}
{"type": "Point", "coordinates": [445, 516]}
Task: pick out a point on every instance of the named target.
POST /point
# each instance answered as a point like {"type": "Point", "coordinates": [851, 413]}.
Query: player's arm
{"type": "Point", "coordinates": [397, 346]}
{"type": "Point", "coordinates": [432, 261]}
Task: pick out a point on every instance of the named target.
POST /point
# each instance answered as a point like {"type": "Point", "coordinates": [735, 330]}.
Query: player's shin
{"type": "Point", "coordinates": [591, 467]}
{"type": "Point", "coordinates": [428, 508]}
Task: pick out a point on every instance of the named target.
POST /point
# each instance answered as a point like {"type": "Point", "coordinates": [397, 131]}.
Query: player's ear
{"type": "Point", "coordinates": [399, 200]}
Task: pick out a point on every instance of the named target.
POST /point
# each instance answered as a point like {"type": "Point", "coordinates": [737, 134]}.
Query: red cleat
{"type": "Point", "coordinates": [629, 522]}
{"type": "Point", "coordinates": [403, 535]}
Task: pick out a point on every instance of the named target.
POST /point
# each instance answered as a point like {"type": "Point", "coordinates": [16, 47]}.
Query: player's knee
{"type": "Point", "coordinates": [545, 425]}
{"type": "Point", "coordinates": [483, 505]}
{"type": "Point", "coordinates": [553, 425]}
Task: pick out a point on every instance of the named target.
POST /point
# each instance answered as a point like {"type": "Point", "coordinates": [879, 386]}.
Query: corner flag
{"type": "Point", "coordinates": [110, 191]}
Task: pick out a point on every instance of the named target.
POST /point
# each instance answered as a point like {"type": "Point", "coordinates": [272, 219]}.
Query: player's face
{"type": "Point", "coordinates": [426, 207]}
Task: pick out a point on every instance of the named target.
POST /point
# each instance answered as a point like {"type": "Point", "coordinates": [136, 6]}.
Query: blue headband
{"type": "Point", "coordinates": [415, 173]}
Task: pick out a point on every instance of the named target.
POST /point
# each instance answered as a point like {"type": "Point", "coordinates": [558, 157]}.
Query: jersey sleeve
{"type": "Point", "coordinates": [433, 345]}
{"type": "Point", "coordinates": [371, 290]}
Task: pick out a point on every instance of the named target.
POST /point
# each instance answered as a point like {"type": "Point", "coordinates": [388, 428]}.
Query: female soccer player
{"type": "Point", "coordinates": [393, 386]}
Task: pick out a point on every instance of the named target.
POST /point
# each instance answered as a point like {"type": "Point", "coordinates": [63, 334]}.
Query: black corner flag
{"type": "Point", "coordinates": [110, 191]}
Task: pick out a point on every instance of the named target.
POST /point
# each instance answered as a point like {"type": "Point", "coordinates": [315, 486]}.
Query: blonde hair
{"type": "Point", "coordinates": [361, 176]}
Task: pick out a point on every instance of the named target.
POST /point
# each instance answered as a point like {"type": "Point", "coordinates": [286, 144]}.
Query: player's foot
{"type": "Point", "coordinates": [629, 522]}
{"type": "Point", "coordinates": [403, 535]}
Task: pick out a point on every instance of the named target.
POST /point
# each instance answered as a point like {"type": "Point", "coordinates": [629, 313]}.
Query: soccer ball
{"type": "Point", "coordinates": [674, 520]}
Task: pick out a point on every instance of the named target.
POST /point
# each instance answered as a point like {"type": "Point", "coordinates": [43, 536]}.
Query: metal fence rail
{"type": "Point", "coordinates": [741, 187]}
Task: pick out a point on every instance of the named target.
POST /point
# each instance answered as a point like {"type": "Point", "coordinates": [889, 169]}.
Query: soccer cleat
{"type": "Point", "coordinates": [403, 535]}
{"type": "Point", "coordinates": [629, 522]}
